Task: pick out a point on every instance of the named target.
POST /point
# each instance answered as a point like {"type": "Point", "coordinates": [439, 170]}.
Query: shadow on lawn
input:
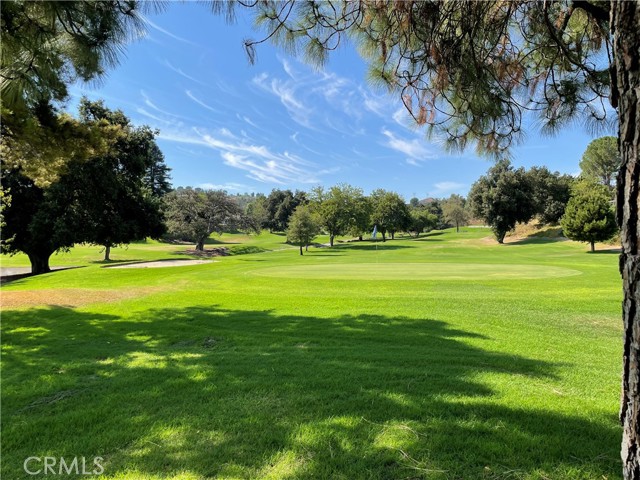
{"type": "Point", "coordinates": [388, 245]}
{"type": "Point", "coordinates": [607, 251]}
{"type": "Point", "coordinates": [251, 394]}
{"type": "Point", "coordinates": [115, 262]}
{"type": "Point", "coordinates": [532, 240]}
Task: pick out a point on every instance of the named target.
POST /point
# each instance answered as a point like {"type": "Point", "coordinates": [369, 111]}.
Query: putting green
{"type": "Point", "coordinates": [417, 271]}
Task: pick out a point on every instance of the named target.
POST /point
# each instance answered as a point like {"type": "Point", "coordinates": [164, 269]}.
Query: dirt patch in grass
{"type": "Point", "coordinates": [68, 297]}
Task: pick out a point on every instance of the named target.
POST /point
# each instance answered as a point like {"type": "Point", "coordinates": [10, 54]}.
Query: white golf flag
{"type": "Point", "coordinates": [375, 232]}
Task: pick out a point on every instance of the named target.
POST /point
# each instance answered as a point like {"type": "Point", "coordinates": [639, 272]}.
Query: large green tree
{"type": "Point", "coordinates": [589, 216]}
{"type": "Point", "coordinates": [420, 220]}
{"type": "Point", "coordinates": [337, 208]}
{"type": "Point", "coordinates": [551, 192]}
{"type": "Point", "coordinates": [116, 198]}
{"type": "Point", "coordinates": [38, 221]}
{"type": "Point", "coordinates": [101, 198]}
{"type": "Point", "coordinates": [502, 198]}
{"type": "Point", "coordinates": [256, 212]}
{"type": "Point", "coordinates": [280, 206]}
{"type": "Point", "coordinates": [303, 226]}
{"type": "Point", "coordinates": [455, 211]}
{"type": "Point", "coordinates": [389, 213]}
{"type": "Point", "coordinates": [601, 160]}
{"type": "Point", "coordinates": [193, 215]}
{"type": "Point", "coordinates": [360, 223]}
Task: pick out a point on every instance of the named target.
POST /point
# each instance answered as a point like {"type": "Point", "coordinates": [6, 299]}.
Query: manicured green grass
{"type": "Point", "coordinates": [150, 250]}
{"type": "Point", "coordinates": [443, 357]}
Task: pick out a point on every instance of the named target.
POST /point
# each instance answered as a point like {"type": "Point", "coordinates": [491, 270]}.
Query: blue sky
{"type": "Point", "coordinates": [281, 123]}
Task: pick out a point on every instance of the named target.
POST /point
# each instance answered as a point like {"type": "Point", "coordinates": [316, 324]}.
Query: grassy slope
{"type": "Point", "coordinates": [220, 371]}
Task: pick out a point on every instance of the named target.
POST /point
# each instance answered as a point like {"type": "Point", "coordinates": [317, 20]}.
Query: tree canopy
{"type": "Point", "coordinates": [389, 213]}
{"type": "Point", "coordinates": [469, 70]}
{"type": "Point", "coordinates": [100, 198]}
{"type": "Point", "coordinates": [589, 216]}
{"type": "Point", "coordinates": [113, 197]}
{"type": "Point", "coordinates": [601, 160]}
{"type": "Point", "coordinates": [46, 46]}
{"type": "Point", "coordinates": [551, 192]}
{"type": "Point", "coordinates": [337, 208]}
{"type": "Point", "coordinates": [303, 227]}
{"type": "Point", "coordinates": [455, 211]}
{"type": "Point", "coordinates": [280, 206]}
{"type": "Point", "coordinates": [502, 198]}
{"type": "Point", "coordinates": [193, 215]}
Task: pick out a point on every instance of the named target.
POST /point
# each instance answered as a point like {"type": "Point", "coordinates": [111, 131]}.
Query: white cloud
{"type": "Point", "coordinates": [200, 102]}
{"type": "Point", "coordinates": [288, 68]}
{"type": "Point", "coordinates": [182, 73]}
{"type": "Point", "coordinates": [258, 161]}
{"type": "Point", "coordinates": [167, 32]}
{"type": "Point", "coordinates": [401, 117]}
{"type": "Point", "coordinates": [181, 137]}
{"type": "Point", "coordinates": [229, 186]}
{"type": "Point", "coordinates": [380, 105]}
{"type": "Point", "coordinates": [144, 112]}
{"type": "Point", "coordinates": [150, 103]}
{"type": "Point", "coordinates": [414, 149]}
{"type": "Point", "coordinates": [444, 189]}
{"type": "Point", "coordinates": [286, 92]}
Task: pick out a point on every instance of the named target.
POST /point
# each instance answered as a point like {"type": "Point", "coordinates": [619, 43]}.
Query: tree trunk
{"type": "Point", "coordinates": [360, 238]}
{"type": "Point", "coordinates": [107, 252]}
{"type": "Point", "coordinates": [625, 96]}
{"type": "Point", "coordinates": [306, 247]}
{"type": "Point", "coordinates": [593, 246]}
{"type": "Point", "coordinates": [384, 237]}
{"type": "Point", "coordinates": [393, 235]}
{"type": "Point", "coordinates": [457, 228]}
{"type": "Point", "coordinates": [200, 245]}
{"type": "Point", "coordinates": [39, 263]}
{"type": "Point", "coordinates": [301, 250]}
{"type": "Point", "coordinates": [331, 237]}
{"type": "Point", "coordinates": [500, 237]}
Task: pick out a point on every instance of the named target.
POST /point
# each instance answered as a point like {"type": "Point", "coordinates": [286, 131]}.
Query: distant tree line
{"type": "Point", "coordinates": [115, 189]}
{"type": "Point", "coordinates": [583, 206]}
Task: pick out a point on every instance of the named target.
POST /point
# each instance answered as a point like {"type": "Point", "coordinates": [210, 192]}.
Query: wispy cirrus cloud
{"type": "Point", "coordinates": [285, 90]}
{"type": "Point", "coordinates": [321, 99]}
{"type": "Point", "coordinates": [189, 94]}
{"type": "Point", "coordinates": [442, 189]}
{"type": "Point", "coordinates": [167, 32]}
{"type": "Point", "coordinates": [258, 161]}
{"type": "Point", "coordinates": [180, 72]}
{"type": "Point", "coordinates": [415, 149]}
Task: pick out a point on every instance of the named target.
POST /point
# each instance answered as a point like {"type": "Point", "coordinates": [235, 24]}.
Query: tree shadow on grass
{"type": "Point", "coordinates": [116, 262]}
{"type": "Point", "coordinates": [14, 275]}
{"type": "Point", "coordinates": [607, 251]}
{"type": "Point", "coordinates": [532, 240]}
{"type": "Point", "coordinates": [381, 246]}
{"type": "Point", "coordinates": [253, 394]}
{"type": "Point", "coordinates": [108, 263]}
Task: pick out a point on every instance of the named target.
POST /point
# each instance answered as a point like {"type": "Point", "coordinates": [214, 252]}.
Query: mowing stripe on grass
{"type": "Point", "coordinates": [417, 271]}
